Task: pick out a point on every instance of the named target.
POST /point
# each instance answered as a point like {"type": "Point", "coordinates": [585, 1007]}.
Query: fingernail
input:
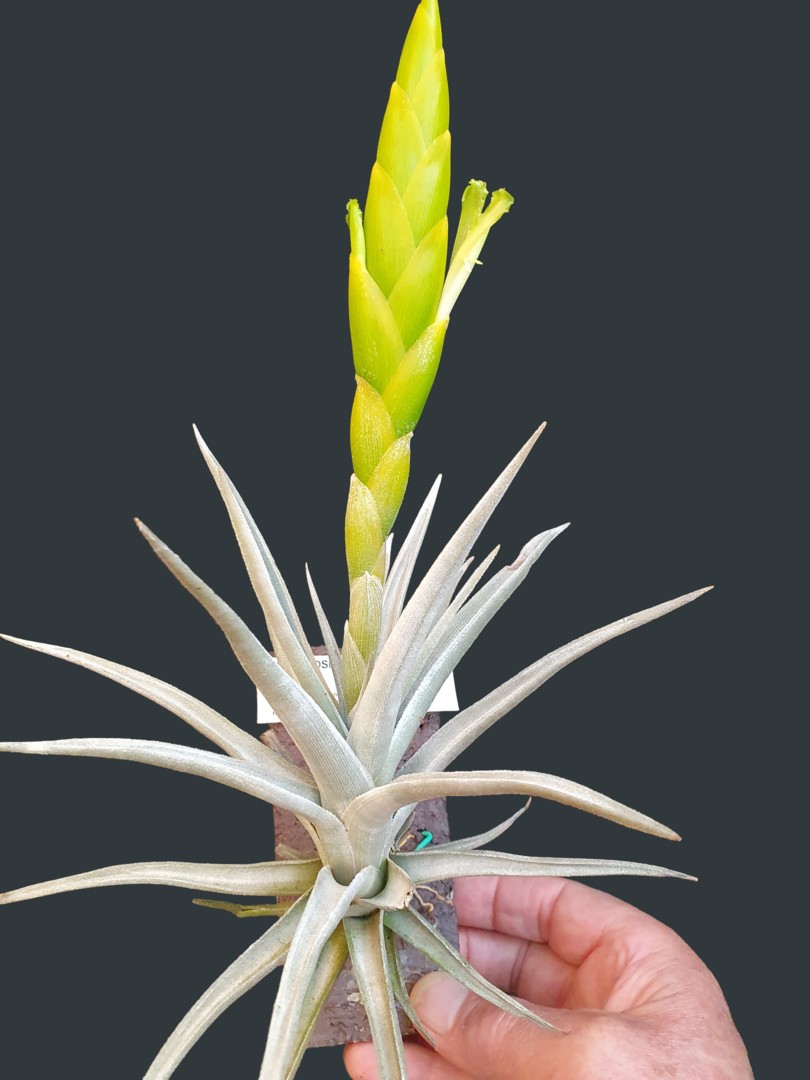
{"type": "Point", "coordinates": [438, 998]}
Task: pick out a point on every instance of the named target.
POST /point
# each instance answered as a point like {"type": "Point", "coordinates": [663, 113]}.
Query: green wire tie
{"type": "Point", "coordinates": [426, 839]}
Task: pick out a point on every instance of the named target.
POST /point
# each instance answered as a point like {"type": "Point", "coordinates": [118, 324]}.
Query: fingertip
{"type": "Point", "coordinates": [421, 1062]}
{"type": "Point", "coordinates": [438, 999]}
{"type": "Point", "coordinates": [360, 1061]}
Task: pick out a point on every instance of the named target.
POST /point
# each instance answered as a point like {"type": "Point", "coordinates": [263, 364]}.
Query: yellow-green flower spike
{"type": "Point", "coordinates": [399, 306]}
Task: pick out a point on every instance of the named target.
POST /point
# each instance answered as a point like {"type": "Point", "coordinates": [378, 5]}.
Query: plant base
{"type": "Point", "coordinates": [343, 1018]}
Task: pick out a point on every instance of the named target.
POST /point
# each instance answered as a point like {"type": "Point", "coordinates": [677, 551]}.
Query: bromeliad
{"type": "Point", "coordinates": [356, 896]}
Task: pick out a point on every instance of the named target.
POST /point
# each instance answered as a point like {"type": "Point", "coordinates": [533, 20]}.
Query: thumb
{"type": "Point", "coordinates": [484, 1041]}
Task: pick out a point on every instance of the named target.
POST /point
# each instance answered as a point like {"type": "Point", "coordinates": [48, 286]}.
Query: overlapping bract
{"type": "Point", "coordinates": [358, 893]}
{"type": "Point", "coordinates": [399, 308]}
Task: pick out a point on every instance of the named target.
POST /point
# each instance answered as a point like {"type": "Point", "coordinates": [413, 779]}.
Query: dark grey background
{"type": "Point", "coordinates": [176, 252]}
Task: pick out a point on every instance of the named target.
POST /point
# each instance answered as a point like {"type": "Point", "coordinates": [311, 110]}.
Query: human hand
{"type": "Point", "coordinates": [636, 1002]}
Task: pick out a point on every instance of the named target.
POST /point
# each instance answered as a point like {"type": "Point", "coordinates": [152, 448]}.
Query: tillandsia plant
{"type": "Point", "coordinates": [356, 897]}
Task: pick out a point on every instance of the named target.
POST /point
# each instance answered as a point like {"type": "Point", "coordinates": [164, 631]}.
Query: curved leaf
{"type": "Point", "coordinates": [470, 843]}
{"type": "Point", "coordinates": [332, 648]}
{"type": "Point", "coordinates": [423, 866]}
{"type": "Point", "coordinates": [283, 623]}
{"type": "Point", "coordinates": [336, 770]}
{"type": "Point", "coordinates": [207, 721]}
{"type": "Point", "coordinates": [378, 708]}
{"type": "Point", "coordinates": [463, 729]}
{"type": "Point", "coordinates": [238, 879]}
{"type": "Point", "coordinates": [330, 964]}
{"type": "Point", "coordinates": [400, 989]}
{"type": "Point", "coordinates": [401, 572]}
{"type": "Point", "coordinates": [187, 759]}
{"type": "Point", "coordinates": [418, 931]}
{"type": "Point", "coordinates": [326, 906]}
{"type": "Point", "coordinates": [466, 590]}
{"type": "Point", "coordinates": [459, 634]}
{"type": "Point", "coordinates": [369, 815]}
{"type": "Point", "coordinates": [258, 960]}
{"type": "Point", "coordinates": [370, 965]}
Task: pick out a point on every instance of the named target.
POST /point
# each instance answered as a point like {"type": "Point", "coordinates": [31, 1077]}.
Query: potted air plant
{"type": "Point", "coordinates": [355, 896]}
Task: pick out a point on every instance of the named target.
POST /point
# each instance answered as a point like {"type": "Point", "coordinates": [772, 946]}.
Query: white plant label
{"type": "Point", "coordinates": [446, 699]}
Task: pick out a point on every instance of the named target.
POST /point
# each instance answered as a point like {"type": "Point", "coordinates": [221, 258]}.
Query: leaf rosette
{"type": "Point", "coordinates": [354, 798]}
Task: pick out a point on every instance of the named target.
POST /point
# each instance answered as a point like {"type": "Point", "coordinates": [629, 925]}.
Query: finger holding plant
{"type": "Point", "coordinates": [400, 301]}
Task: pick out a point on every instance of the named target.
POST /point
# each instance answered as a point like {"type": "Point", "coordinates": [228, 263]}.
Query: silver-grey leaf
{"type": "Point", "coordinates": [329, 640]}
{"type": "Point", "coordinates": [326, 907]}
{"type": "Point", "coordinates": [388, 547]}
{"type": "Point", "coordinates": [400, 989]}
{"type": "Point", "coordinates": [258, 960]}
{"type": "Point", "coordinates": [329, 965]}
{"type": "Point", "coordinates": [283, 623]}
{"type": "Point", "coordinates": [459, 634]}
{"type": "Point", "coordinates": [238, 879]}
{"type": "Point", "coordinates": [335, 768]}
{"type": "Point", "coordinates": [399, 577]}
{"type": "Point", "coordinates": [410, 926]}
{"type": "Point", "coordinates": [187, 759]}
{"type": "Point", "coordinates": [500, 587]}
{"type": "Point", "coordinates": [201, 717]}
{"type": "Point", "coordinates": [369, 963]}
{"type": "Point", "coordinates": [424, 866]}
{"type": "Point", "coordinates": [367, 814]}
{"type": "Point", "coordinates": [468, 587]}
{"type": "Point", "coordinates": [464, 728]}
{"type": "Point", "coordinates": [470, 843]}
{"type": "Point", "coordinates": [377, 710]}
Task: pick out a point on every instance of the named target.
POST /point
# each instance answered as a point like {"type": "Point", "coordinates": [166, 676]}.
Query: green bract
{"type": "Point", "coordinates": [399, 307]}
{"type": "Point", "coordinates": [354, 798]}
